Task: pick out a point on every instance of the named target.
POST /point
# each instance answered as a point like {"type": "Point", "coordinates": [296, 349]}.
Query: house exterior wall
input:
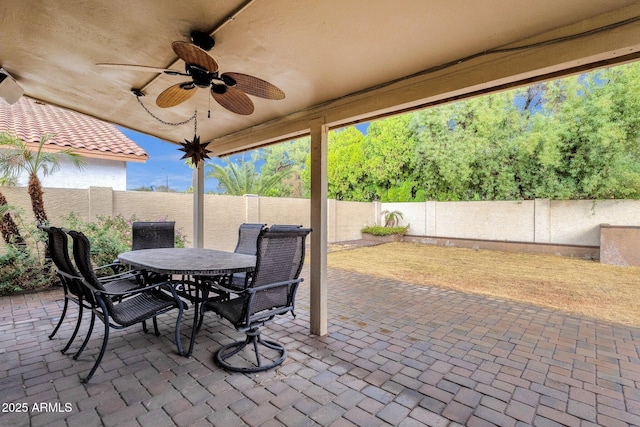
{"type": "Point", "coordinates": [104, 173]}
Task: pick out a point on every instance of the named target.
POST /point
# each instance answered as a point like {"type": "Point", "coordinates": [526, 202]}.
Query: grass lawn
{"type": "Point", "coordinates": [577, 286]}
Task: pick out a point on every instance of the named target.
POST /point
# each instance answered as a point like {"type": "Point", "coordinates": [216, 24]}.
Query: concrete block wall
{"type": "Point", "coordinates": [556, 222]}
{"type": "Point", "coordinates": [223, 214]}
{"type": "Point", "coordinates": [553, 223]}
{"type": "Point", "coordinates": [620, 245]}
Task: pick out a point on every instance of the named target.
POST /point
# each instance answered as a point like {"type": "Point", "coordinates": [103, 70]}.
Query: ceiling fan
{"type": "Point", "coordinates": [230, 90]}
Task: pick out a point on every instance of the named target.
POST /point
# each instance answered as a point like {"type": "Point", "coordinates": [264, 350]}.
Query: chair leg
{"type": "Point", "coordinates": [197, 308]}
{"type": "Point", "coordinates": [64, 312]}
{"type": "Point", "coordinates": [86, 339]}
{"type": "Point", "coordinates": [155, 326]}
{"type": "Point", "coordinates": [102, 350]}
{"type": "Point", "coordinates": [201, 310]}
{"type": "Point", "coordinates": [75, 331]}
{"type": "Point", "coordinates": [178, 323]}
{"type": "Point", "coordinates": [253, 337]}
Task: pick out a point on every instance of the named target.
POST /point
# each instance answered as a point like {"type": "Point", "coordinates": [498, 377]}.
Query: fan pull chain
{"type": "Point", "coordinates": [164, 122]}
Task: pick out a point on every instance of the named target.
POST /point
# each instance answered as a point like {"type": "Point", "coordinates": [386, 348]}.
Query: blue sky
{"type": "Point", "coordinates": [164, 164]}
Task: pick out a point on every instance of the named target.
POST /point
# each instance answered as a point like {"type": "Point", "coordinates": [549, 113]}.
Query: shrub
{"type": "Point", "coordinates": [391, 219]}
{"type": "Point", "coordinates": [379, 230]}
{"type": "Point", "coordinates": [21, 271]}
{"type": "Point", "coordinates": [109, 235]}
{"type": "Point", "coordinates": [22, 266]}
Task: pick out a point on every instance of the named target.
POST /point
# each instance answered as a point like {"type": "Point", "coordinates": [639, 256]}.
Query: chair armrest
{"type": "Point", "coordinates": [164, 285]}
{"type": "Point", "coordinates": [115, 266]}
{"type": "Point", "coordinates": [133, 275]}
{"type": "Point", "coordinates": [253, 290]}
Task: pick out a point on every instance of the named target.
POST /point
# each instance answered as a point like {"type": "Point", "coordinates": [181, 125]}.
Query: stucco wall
{"type": "Point", "coordinates": [222, 214]}
{"type": "Point", "coordinates": [564, 222]}
{"type": "Point", "coordinates": [541, 221]}
{"type": "Point", "coordinates": [104, 173]}
{"type": "Point", "coordinates": [619, 245]}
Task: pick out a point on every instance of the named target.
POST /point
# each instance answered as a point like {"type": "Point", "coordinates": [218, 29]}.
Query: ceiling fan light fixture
{"type": "Point", "coordinates": [228, 80]}
{"type": "Point", "coordinates": [218, 89]}
{"type": "Point", "coordinates": [187, 85]}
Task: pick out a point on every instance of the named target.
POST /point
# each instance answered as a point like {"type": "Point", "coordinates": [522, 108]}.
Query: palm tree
{"type": "Point", "coordinates": [18, 157]}
{"type": "Point", "coordinates": [391, 218]}
{"type": "Point", "coordinates": [239, 179]}
{"type": "Point", "coordinates": [8, 228]}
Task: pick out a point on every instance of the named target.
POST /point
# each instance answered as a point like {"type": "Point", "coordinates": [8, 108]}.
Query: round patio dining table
{"type": "Point", "coordinates": [190, 262]}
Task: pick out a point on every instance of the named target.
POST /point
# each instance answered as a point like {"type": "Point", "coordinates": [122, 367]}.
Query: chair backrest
{"type": "Point", "coordinates": [59, 253]}
{"type": "Point", "coordinates": [248, 238]}
{"type": "Point", "coordinates": [279, 259]}
{"type": "Point", "coordinates": [82, 258]}
{"type": "Point", "coordinates": [152, 234]}
{"type": "Point", "coordinates": [59, 249]}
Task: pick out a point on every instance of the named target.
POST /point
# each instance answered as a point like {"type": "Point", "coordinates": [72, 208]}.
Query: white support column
{"type": "Point", "coordinates": [318, 270]}
{"type": "Point", "coordinates": [198, 205]}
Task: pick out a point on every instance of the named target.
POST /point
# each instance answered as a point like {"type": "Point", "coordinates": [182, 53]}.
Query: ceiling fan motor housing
{"type": "Point", "coordinates": [203, 40]}
{"type": "Point", "coordinates": [201, 77]}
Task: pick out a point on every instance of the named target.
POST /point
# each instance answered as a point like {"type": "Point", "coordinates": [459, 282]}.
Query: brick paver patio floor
{"type": "Point", "coordinates": [396, 354]}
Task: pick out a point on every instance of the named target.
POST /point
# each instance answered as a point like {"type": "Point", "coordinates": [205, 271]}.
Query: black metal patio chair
{"type": "Point", "coordinates": [58, 244]}
{"type": "Point", "coordinates": [152, 234]}
{"type": "Point", "coordinates": [120, 310]}
{"type": "Point", "coordinates": [270, 292]}
{"type": "Point", "coordinates": [247, 244]}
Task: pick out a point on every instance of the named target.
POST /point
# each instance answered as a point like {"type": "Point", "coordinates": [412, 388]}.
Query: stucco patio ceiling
{"type": "Point", "coordinates": [338, 60]}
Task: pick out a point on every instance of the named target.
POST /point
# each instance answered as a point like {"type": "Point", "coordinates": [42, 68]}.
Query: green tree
{"type": "Point", "coordinates": [389, 148]}
{"type": "Point", "coordinates": [278, 157]}
{"type": "Point", "coordinates": [443, 158]}
{"type": "Point", "coordinates": [347, 175]}
{"type": "Point", "coordinates": [17, 157]}
{"type": "Point", "coordinates": [241, 178]}
{"type": "Point", "coordinates": [588, 140]}
{"type": "Point", "coordinates": [575, 138]}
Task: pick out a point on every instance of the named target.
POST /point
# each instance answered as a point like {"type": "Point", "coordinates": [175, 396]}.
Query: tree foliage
{"type": "Point", "coordinates": [575, 138]}
{"type": "Point", "coordinates": [17, 157]}
{"type": "Point", "coordinates": [237, 179]}
{"type": "Point", "coordinates": [289, 156]}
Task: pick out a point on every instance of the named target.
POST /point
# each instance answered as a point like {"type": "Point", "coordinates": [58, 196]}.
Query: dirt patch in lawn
{"type": "Point", "coordinates": [576, 286]}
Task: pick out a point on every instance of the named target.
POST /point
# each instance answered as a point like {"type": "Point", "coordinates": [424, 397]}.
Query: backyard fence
{"type": "Point", "coordinates": [540, 223]}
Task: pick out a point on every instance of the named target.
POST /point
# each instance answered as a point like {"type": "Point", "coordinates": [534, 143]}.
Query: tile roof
{"type": "Point", "coordinates": [90, 137]}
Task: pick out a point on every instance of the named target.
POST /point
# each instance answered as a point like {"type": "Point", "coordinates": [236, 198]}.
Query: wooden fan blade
{"type": "Point", "coordinates": [176, 94]}
{"type": "Point", "coordinates": [235, 101]}
{"type": "Point", "coordinates": [255, 86]}
{"type": "Point", "coordinates": [192, 54]}
{"type": "Point", "coordinates": [132, 67]}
